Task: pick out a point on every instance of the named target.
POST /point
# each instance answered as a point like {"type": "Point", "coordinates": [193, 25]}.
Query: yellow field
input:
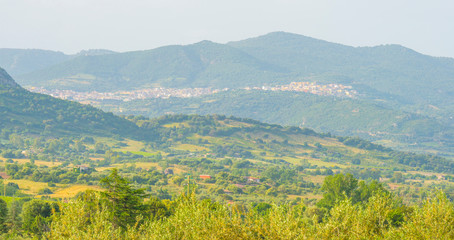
{"type": "Point", "coordinates": [291, 160]}
{"type": "Point", "coordinates": [210, 139]}
{"type": "Point", "coordinates": [71, 191]}
{"type": "Point", "coordinates": [100, 169]}
{"type": "Point", "coordinates": [37, 162]}
{"type": "Point", "coordinates": [258, 161]}
{"type": "Point", "coordinates": [232, 123]}
{"type": "Point", "coordinates": [29, 187]}
{"type": "Point", "coordinates": [178, 125]}
{"type": "Point", "coordinates": [308, 196]}
{"type": "Point", "coordinates": [178, 170]}
{"type": "Point", "coordinates": [116, 165]}
{"type": "Point", "coordinates": [191, 148]}
{"type": "Point", "coordinates": [133, 146]}
{"type": "Point", "coordinates": [146, 165]}
{"type": "Point", "coordinates": [315, 179]}
{"type": "Point", "coordinates": [325, 164]}
{"type": "Point", "coordinates": [439, 175]}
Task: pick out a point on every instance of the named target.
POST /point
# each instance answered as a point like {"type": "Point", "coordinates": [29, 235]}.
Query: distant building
{"type": "Point", "coordinates": [205, 177]}
{"type": "Point", "coordinates": [253, 179]}
{"type": "Point", "coordinates": [3, 175]}
{"type": "Point", "coordinates": [82, 168]}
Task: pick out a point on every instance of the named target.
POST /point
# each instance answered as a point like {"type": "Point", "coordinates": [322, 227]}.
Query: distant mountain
{"type": "Point", "coordinates": [25, 112]}
{"type": "Point", "coordinates": [21, 61]}
{"type": "Point", "coordinates": [382, 71]}
{"type": "Point", "coordinates": [391, 72]}
{"type": "Point", "coordinates": [94, 52]}
{"type": "Point", "coordinates": [205, 64]}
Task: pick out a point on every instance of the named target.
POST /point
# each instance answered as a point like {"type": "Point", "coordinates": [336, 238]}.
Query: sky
{"type": "Point", "coordinates": [127, 25]}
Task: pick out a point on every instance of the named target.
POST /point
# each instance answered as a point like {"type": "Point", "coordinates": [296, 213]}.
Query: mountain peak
{"type": "Point", "coordinates": [95, 52]}
{"type": "Point", "coordinates": [279, 36]}
{"type": "Point", "coordinates": [6, 80]}
{"type": "Point", "coordinates": [205, 43]}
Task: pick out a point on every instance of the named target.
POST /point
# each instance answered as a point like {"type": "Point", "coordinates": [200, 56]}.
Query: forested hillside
{"type": "Point", "coordinates": [32, 113]}
{"type": "Point", "coordinates": [392, 73]}
{"type": "Point", "coordinates": [204, 64]}
{"type": "Point", "coordinates": [389, 72]}
{"type": "Point", "coordinates": [21, 61]}
{"type": "Point", "coordinates": [340, 116]}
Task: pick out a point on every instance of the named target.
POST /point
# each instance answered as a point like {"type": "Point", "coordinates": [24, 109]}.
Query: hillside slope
{"type": "Point", "coordinates": [21, 61]}
{"type": "Point", "coordinates": [386, 69]}
{"type": "Point", "coordinates": [389, 72]}
{"type": "Point", "coordinates": [32, 113]}
{"type": "Point", "coordinates": [341, 116]}
{"type": "Point", "coordinates": [222, 136]}
{"type": "Point", "coordinates": [204, 64]}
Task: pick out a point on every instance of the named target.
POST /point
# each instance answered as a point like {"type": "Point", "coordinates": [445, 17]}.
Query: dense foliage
{"type": "Point", "coordinates": [90, 216]}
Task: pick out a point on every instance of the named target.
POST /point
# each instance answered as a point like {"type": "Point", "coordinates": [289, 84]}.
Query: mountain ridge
{"type": "Point", "coordinates": [274, 58]}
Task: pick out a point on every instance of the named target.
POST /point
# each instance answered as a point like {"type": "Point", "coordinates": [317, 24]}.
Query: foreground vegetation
{"type": "Point", "coordinates": [347, 211]}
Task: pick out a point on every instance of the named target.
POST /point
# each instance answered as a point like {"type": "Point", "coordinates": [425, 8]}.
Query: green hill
{"type": "Point", "coordinates": [26, 112]}
{"type": "Point", "coordinates": [21, 61]}
{"type": "Point", "coordinates": [222, 136]}
{"type": "Point", "coordinates": [391, 72]}
{"type": "Point", "coordinates": [205, 64]}
{"type": "Point", "coordinates": [6, 82]}
{"type": "Point", "coordinates": [346, 117]}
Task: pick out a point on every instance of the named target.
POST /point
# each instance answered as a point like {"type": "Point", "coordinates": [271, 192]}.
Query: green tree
{"type": "Point", "coordinates": [125, 202]}
{"type": "Point", "coordinates": [3, 214]}
{"type": "Point", "coordinates": [337, 187]}
{"type": "Point", "coordinates": [344, 186]}
{"type": "Point", "coordinates": [36, 215]}
{"type": "Point", "coordinates": [14, 220]}
{"type": "Point", "coordinates": [262, 208]}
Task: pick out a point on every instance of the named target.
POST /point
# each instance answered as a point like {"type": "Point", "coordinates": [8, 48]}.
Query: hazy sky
{"type": "Point", "coordinates": [125, 25]}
